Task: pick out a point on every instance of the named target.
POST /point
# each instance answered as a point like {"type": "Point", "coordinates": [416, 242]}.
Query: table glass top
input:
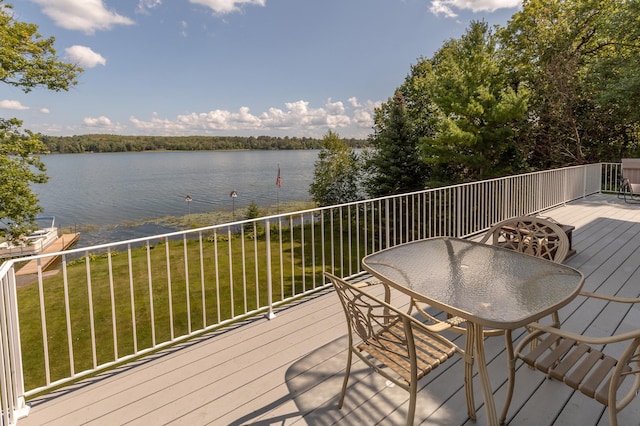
{"type": "Point", "coordinates": [498, 287]}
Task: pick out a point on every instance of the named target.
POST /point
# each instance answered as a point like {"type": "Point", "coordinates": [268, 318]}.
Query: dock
{"type": "Point", "coordinates": [64, 242]}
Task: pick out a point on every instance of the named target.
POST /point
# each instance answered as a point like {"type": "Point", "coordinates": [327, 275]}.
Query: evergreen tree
{"type": "Point", "coordinates": [479, 111]}
{"type": "Point", "coordinates": [252, 212]}
{"type": "Point", "coordinates": [394, 165]}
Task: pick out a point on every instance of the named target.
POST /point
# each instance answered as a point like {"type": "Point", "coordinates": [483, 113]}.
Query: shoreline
{"type": "Point", "coordinates": [102, 233]}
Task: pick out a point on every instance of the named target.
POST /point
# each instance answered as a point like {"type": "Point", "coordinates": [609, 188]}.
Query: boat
{"type": "Point", "coordinates": [34, 243]}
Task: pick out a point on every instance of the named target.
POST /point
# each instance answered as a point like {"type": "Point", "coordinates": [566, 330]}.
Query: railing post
{"type": "Point", "coordinates": [267, 227]}
{"type": "Point", "coordinates": [585, 172]}
{"type": "Point", "coordinates": [13, 403]}
{"type": "Point", "coordinates": [22, 407]}
{"type": "Point", "coordinates": [387, 222]}
{"type": "Point", "coordinates": [564, 186]}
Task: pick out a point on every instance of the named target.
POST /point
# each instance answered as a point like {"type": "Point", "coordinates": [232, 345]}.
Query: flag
{"type": "Point", "coordinates": [278, 180]}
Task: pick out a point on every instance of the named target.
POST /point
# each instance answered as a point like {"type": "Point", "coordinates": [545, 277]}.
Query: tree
{"type": "Point", "coordinates": [479, 111]}
{"type": "Point", "coordinates": [580, 59]}
{"type": "Point", "coordinates": [394, 166]}
{"type": "Point", "coordinates": [28, 61]}
{"type": "Point", "coordinates": [252, 212]}
{"type": "Point", "coordinates": [614, 82]}
{"type": "Point", "coordinates": [335, 174]}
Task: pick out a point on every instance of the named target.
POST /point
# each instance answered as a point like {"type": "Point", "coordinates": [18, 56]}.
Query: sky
{"type": "Point", "coordinates": [296, 68]}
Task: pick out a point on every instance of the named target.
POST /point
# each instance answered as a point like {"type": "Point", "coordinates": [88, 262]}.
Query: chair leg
{"type": "Point", "coordinates": [468, 377]}
{"type": "Point", "coordinates": [555, 318]}
{"type": "Point", "coordinates": [613, 415]}
{"type": "Point", "coordinates": [413, 390]}
{"type": "Point", "coordinates": [346, 378]}
{"type": "Point", "coordinates": [511, 374]}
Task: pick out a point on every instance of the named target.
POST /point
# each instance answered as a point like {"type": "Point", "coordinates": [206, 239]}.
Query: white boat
{"type": "Point", "coordinates": [34, 243]}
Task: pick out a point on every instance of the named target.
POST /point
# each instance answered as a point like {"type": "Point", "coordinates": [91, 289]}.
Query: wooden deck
{"type": "Point", "coordinates": [289, 370]}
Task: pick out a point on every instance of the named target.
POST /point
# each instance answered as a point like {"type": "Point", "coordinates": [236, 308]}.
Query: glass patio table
{"type": "Point", "coordinates": [486, 285]}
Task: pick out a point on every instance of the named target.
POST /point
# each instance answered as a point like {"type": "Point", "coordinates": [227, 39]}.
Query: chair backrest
{"type": "Point", "coordinates": [531, 235]}
{"type": "Point", "coordinates": [365, 313]}
{"type": "Point", "coordinates": [631, 173]}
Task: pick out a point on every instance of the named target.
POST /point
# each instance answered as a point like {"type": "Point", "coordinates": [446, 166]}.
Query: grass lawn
{"type": "Point", "coordinates": [153, 288]}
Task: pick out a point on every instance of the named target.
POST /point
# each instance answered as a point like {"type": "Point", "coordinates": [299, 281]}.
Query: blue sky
{"type": "Point", "coordinates": [234, 67]}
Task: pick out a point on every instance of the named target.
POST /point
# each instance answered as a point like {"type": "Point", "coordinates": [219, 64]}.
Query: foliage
{"type": "Point", "coordinates": [394, 166]}
{"type": "Point", "coordinates": [18, 168]}
{"type": "Point", "coordinates": [580, 59]}
{"type": "Point", "coordinates": [252, 212]}
{"type": "Point", "coordinates": [559, 85]}
{"type": "Point", "coordinates": [335, 174]}
{"type": "Point", "coordinates": [479, 110]}
{"type": "Point", "coordinates": [28, 61]}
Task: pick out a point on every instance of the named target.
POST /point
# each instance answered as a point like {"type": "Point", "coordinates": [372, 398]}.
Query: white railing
{"type": "Point", "coordinates": [107, 304]}
{"type": "Point", "coordinates": [12, 394]}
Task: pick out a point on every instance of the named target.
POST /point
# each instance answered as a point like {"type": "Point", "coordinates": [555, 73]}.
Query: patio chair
{"type": "Point", "coordinates": [533, 235]}
{"type": "Point", "coordinates": [570, 358]}
{"type": "Point", "coordinates": [392, 343]}
{"type": "Point", "coordinates": [630, 185]}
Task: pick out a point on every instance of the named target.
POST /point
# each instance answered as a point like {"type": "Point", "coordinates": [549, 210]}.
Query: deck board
{"type": "Point", "coordinates": [289, 370]}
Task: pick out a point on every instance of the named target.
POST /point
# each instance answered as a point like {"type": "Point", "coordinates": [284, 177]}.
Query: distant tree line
{"type": "Point", "coordinates": [118, 143]}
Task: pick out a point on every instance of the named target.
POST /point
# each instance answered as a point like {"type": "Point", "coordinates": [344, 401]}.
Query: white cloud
{"type": "Point", "coordinates": [335, 108]}
{"type": "Point", "coordinates": [101, 121]}
{"type": "Point", "coordinates": [296, 118]}
{"type": "Point", "coordinates": [84, 56]}
{"type": "Point", "coordinates": [44, 110]}
{"type": "Point", "coordinates": [82, 15]}
{"type": "Point", "coordinates": [101, 124]}
{"type": "Point", "coordinates": [145, 5]}
{"type": "Point", "coordinates": [14, 105]}
{"type": "Point", "coordinates": [363, 118]}
{"type": "Point", "coordinates": [222, 7]}
{"type": "Point", "coordinates": [446, 7]}
{"type": "Point", "coordinates": [439, 8]}
{"type": "Point", "coordinates": [184, 26]}
{"type": "Point", "coordinates": [353, 101]}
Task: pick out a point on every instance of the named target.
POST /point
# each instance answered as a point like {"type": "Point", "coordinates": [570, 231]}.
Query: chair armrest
{"type": "Point", "coordinates": [610, 298]}
{"type": "Point", "coordinates": [438, 325]}
{"type": "Point", "coordinates": [595, 340]}
{"type": "Point", "coordinates": [434, 332]}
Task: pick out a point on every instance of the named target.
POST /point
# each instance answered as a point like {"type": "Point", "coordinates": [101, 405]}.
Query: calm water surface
{"type": "Point", "coordinates": [108, 190]}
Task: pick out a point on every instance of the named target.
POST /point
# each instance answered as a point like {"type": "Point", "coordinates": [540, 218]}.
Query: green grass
{"type": "Point", "coordinates": [219, 294]}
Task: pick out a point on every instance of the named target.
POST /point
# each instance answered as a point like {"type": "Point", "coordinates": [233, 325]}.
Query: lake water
{"type": "Point", "coordinates": [111, 190]}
